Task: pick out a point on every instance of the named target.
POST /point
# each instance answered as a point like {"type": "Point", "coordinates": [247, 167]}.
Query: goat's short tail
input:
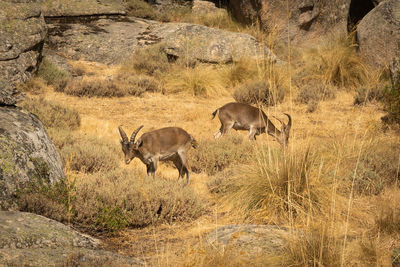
{"type": "Point", "coordinates": [215, 113]}
{"type": "Point", "coordinates": [193, 142]}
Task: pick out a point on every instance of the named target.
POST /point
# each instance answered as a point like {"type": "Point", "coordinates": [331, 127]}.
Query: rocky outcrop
{"type": "Point", "coordinates": [113, 42]}
{"type": "Point", "coordinates": [67, 10]}
{"type": "Point", "coordinates": [206, 8]}
{"type": "Point", "coordinates": [379, 33]}
{"type": "Point", "coordinates": [22, 31]}
{"type": "Point", "coordinates": [26, 154]}
{"type": "Point", "coordinates": [210, 45]}
{"type": "Point", "coordinates": [252, 240]}
{"type": "Point", "coordinates": [28, 239]}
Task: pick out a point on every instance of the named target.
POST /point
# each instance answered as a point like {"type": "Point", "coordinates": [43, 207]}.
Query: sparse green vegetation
{"type": "Point", "coordinates": [113, 200]}
{"type": "Point", "coordinates": [53, 115]}
{"type": "Point", "coordinates": [53, 75]}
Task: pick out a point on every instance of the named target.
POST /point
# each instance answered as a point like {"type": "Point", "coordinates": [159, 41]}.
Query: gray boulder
{"type": "Point", "coordinates": [379, 33]}
{"type": "Point", "coordinates": [210, 45]}
{"type": "Point", "coordinates": [26, 154]}
{"type": "Point", "coordinates": [28, 239]}
{"type": "Point", "coordinates": [22, 32]}
{"type": "Point", "coordinates": [112, 42]}
{"type": "Point", "coordinates": [253, 240]}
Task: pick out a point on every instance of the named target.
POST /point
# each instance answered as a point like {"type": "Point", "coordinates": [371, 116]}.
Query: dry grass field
{"type": "Point", "coordinates": [337, 182]}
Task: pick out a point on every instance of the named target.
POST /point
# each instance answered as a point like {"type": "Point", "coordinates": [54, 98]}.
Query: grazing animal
{"type": "Point", "coordinates": [170, 143]}
{"type": "Point", "coordinates": [240, 116]}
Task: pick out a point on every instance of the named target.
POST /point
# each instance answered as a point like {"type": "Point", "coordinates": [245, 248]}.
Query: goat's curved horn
{"type": "Point", "coordinates": [278, 119]}
{"type": "Point", "coordinates": [123, 134]}
{"type": "Point", "coordinates": [289, 124]}
{"type": "Point", "coordinates": [133, 136]}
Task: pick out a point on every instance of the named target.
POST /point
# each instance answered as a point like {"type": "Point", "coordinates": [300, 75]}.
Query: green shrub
{"type": "Point", "coordinates": [214, 156]}
{"type": "Point", "coordinates": [53, 115]}
{"type": "Point", "coordinates": [258, 92]}
{"type": "Point", "coordinates": [140, 9]}
{"type": "Point", "coordinates": [113, 200]}
{"type": "Point", "coordinates": [53, 75]}
{"type": "Point", "coordinates": [49, 200]}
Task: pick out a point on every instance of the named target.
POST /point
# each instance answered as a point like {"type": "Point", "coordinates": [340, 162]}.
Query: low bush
{"type": "Point", "coordinates": [378, 168]}
{"type": "Point", "coordinates": [53, 75]}
{"type": "Point", "coordinates": [314, 92]}
{"type": "Point", "coordinates": [140, 9]}
{"type": "Point", "coordinates": [34, 86]}
{"type": "Point", "coordinates": [256, 92]}
{"type": "Point", "coordinates": [387, 219]}
{"type": "Point", "coordinates": [214, 156]}
{"type": "Point", "coordinates": [53, 115]}
{"type": "Point", "coordinates": [151, 60]}
{"type": "Point", "coordinates": [114, 200]}
{"type": "Point", "coordinates": [88, 154]}
{"type": "Point", "coordinates": [368, 94]}
{"type": "Point", "coordinates": [90, 88]}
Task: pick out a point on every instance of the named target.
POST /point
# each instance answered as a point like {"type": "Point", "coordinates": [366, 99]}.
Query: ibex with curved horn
{"type": "Point", "coordinates": [240, 116]}
{"type": "Point", "coordinates": [170, 143]}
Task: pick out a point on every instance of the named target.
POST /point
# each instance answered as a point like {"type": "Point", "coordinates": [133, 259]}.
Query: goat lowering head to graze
{"type": "Point", "coordinates": [240, 116]}
{"type": "Point", "coordinates": [170, 143]}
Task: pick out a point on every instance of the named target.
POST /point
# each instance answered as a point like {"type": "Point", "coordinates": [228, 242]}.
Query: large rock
{"type": "Point", "coordinates": [251, 240]}
{"type": "Point", "coordinates": [210, 45]}
{"type": "Point", "coordinates": [28, 239]}
{"type": "Point", "coordinates": [113, 42]}
{"type": "Point", "coordinates": [26, 154]}
{"type": "Point", "coordinates": [379, 33]}
{"type": "Point", "coordinates": [67, 10]}
{"type": "Point", "coordinates": [22, 33]}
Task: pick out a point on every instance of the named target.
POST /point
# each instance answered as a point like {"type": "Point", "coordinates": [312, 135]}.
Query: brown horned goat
{"type": "Point", "coordinates": [240, 116]}
{"type": "Point", "coordinates": [165, 144]}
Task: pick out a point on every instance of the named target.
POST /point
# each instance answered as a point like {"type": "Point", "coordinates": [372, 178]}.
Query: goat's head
{"type": "Point", "coordinates": [283, 137]}
{"type": "Point", "coordinates": [129, 147]}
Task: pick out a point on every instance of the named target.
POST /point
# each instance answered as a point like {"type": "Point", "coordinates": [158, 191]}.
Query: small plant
{"type": "Point", "coordinates": [53, 115]}
{"type": "Point", "coordinates": [255, 92]}
{"type": "Point", "coordinates": [34, 86]}
{"type": "Point", "coordinates": [53, 75]}
{"type": "Point", "coordinates": [91, 88]}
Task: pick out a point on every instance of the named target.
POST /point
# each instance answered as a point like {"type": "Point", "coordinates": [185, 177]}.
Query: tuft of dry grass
{"type": "Point", "coordinates": [203, 80]}
{"type": "Point", "coordinates": [52, 75]}
{"type": "Point", "coordinates": [140, 9]}
{"type": "Point", "coordinates": [335, 62]}
{"type": "Point", "coordinates": [279, 187]}
{"type": "Point", "coordinates": [151, 60]}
